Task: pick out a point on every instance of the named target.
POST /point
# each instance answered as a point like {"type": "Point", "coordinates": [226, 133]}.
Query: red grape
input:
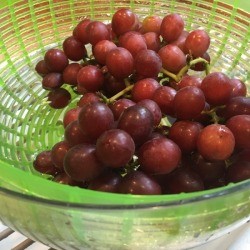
{"type": "Point", "coordinates": [90, 78]}
{"type": "Point", "coordinates": [144, 89]}
{"type": "Point", "coordinates": [136, 121]}
{"type": "Point", "coordinates": [173, 59]}
{"type": "Point", "coordinates": [195, 99]}
{"type": "Point", "coordinates": [164, 97]}
{"type": "Point", "coordinates": [152, 41]}
{"type": "Point", "coordinates": [101, 50]}
{"type": "Point", "coordinates": [80, 31]}
{"type": "Point", "coordinates": [159, 156]}
{"type": "Point", "coordinates": [148, 63]}
{"type": "Point", "coordinates": [56, 60]}
{"type": "Point", "coordinates": [41, 68]}
{"type": "Point", "coordinates": [197, 43]}
{"type": "Point", "coordinates": [137, 182]}
{"type": "Point", "coordinates": [238, 87]}
{"type": "Point", "coordinates": [95, 118]}
{"type": "Point", "coordinates": [115, 148]}
{"type": "Point", "coordinates": [70, 116]}
{"type": "Point", "coordinates": [171, 27]}
{"type": "Point", "coordinates": [52, 81]}
{"type": "Point", "coordinates": [238, 171]}
{"type": "Point", "coordinates": [70, 73]}
{"type": "Point", "coordinates": [88, 98]}
{"type": "Point", "coordinates": [151, 24]}
{"type": "Point", "coordinates": [120, 63]}
{"type": "Point", "coordinates": [119, 106]}
{"type": "Point", "coordinates": [216, 88]}
{"type": "Point", "coordinates": [81, 163]}
{"type": "Point", "coordinates": [188, 80]}
{"type": "Point", "coordinates": [215, 142]}
{"type": "Point", "coordinates": [185, 134]}
{"type": "Point", "coordinates": [240, 127]}
{"type": "Point", "coordinates": [124, 20]}
{"type": "Point", "coordinates": [74, 49]}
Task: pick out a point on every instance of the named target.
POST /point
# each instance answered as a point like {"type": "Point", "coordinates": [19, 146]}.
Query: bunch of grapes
{"type": "Point", "coordinates": [151, 118]}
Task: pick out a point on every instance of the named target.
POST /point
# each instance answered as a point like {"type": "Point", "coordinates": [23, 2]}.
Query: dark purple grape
{"type": "Point", "coordinates": [52, 81]}
{"type": "Point", "coordinates": [81, 163]}
{"type": "Point", "coordinates": [41, 68]}
{"type": "Point", "coordinates": [106, 182]}
{"type": "Point", "coordinates": [63, 178]}
{"type": "Point", "coordinates": [43, 163]}
{"type": "Point", "coordinates": [137, 182]}
{"type": "Point", "coordinates": [59, 98]}
{"type": "Point", "coordinates": [238, 171]}
{"type": "Point", "coordinates": [184, 180]}
{"type": "Point", "coordinates": [56, 60]}
{"type": "Point", "coordinates": [136, 121]}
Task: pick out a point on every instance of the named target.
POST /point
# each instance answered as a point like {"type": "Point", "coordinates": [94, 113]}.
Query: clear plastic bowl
{"type": "Point", "coordinates": [66, 217]}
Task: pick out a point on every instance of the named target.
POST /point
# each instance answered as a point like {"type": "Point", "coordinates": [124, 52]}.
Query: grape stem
{"type": "Point", "coordinates": [121, 93]}
{"type": "Point", "coordinates": [177, 77]}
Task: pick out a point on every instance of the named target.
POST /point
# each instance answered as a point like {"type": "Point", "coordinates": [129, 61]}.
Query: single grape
{"type": "Point", "coordinates": [238, 87]}
{"type": "Point", "coordinates": [74, 135]}
{"type": "Point", "coordinates": [136, 121]}
{"type": "Point", "coordinates": [70, 73]}
{"type": "Point", "coordinates": [240, 127]}
{"type": "Point", "coordinates": [173, 59]}
{"type": "Point", "coordinates": [41, 68]}
{"type": "Point", "coordinates": [137, 182]}
{"type": "Point", "coordinates": [106, 182]}
{"type": "Point", "coordinates": [209, 171]}
{"type": "Point", "coordinates": [97, 31]}
{"type": "Point", "coordinates": [119, 106]}
{"type": "Point", "coordinates": [238, 105]}
{"type": "Point", "coordinates": [115, 148]}
{"type": "Point", "coordinates": [52, 81]}
{"type": "Point", "coordinates": [79, 31]}
{"type": "Point", "coordinates": [164, 97]}
{"type": "Point", "coordinates": [74, 49]}
{"type": "Point", "coordinates": [63, 178]}
{"type": "Point", "coordinates": [238, 171]}
{"type": "Point", "coordinates": [153, 107]}
{"type": "Point", "coordinates": [197, 43]}
{"type": "Point", "coordinates": [184, 180]}
{"type": "Point", "coordinates": [58, 152]}
{"type": "Point", "coordinates": [59, 98]}
{"type": "Point", "coordinates": [56, 60]}
{"type": "Point", "coordinates": [134, 42]}
{"type": "Point", "coordinates": [152, 24]}
{"type": "Point", "coordinates": [152, 41]}
{"type": "Point", "coordinates": [90, 78]}
{"type": "Point", "coordinates": [88, 98]}
{"type": "Point", "coordinates": [120, 63]}
{"type": "Point", "coordinates": [101, 50]}
{"type": "Point", "coordinates": [112, 85]}
{"type": "Point", "coordinates": [159, 156]}
{"type": "Point", "coordinates": [81, 163]}
{"type": "Point", "coordinates": [215, 142]}
{"type": "Point", "coordinates": [95, 118]}
{"type": "Point", "coordinates": [192, 96]}
{"type": "Point", "coordinates": [171, 27]}
{"type": "Point", "coordinates": [188, 80]}
{"type": "Point", "coordinates": [147, 63]}
{"type": "Point", "coordinates": [43, 163]}
{"type": "Point", "coordinates": [124, 20]}
{"type": "Point", "coordinates": [144, 89]}
{"type": "Point", "coordinates": [185, 134]}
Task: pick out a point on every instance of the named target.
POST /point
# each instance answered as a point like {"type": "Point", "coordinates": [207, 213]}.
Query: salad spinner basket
{"type": "Point", "coordinates": [65, 217]}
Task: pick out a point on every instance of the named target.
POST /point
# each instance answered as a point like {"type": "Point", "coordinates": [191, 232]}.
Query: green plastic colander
{"type": "Point", "coordinates": [66, 217]}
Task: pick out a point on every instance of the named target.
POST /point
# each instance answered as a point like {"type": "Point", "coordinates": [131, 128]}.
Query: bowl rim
{"type": "Point", "coordinates": [216, 192]}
